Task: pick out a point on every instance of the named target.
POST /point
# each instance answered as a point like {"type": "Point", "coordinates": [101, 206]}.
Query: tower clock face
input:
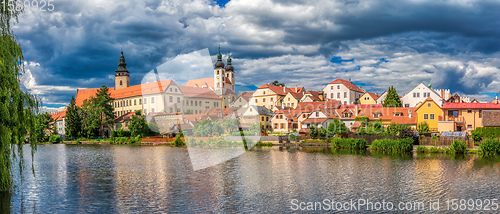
{"type": "Point", "coordinates": [218, 78]}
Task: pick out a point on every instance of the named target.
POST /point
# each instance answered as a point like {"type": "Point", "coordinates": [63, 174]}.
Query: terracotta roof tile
{"type": "Point", "coordinates": [347, 84]}
{"type": "Point", "coordinates": [205, 82]}
{"type": "Point", "coordinates": [142, 89]}
{"type": "Point", "coordinates": [197, 92]}
{"type": "Point", "coordinates": [471, 106]}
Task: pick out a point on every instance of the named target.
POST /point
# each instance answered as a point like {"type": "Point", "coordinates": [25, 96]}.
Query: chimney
{"type": "Point", "coordinates": [409, 113]}
{"type": "Point", "coordinates": [320, 95]}
{"type": "Point", "coordinates": [495, 100]}
{"type": "Point", "coordinates": [296, 88]}
{"type": "Point", "coordinates": [284, 89]}
{"type": "Point", "coordinates": [356, 110]}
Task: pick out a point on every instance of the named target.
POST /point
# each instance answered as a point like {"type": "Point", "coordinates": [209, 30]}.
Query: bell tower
{"type": "Point", "coordinates": [219, 76]}
{"type": "Point", "coordinates": [122, 76]}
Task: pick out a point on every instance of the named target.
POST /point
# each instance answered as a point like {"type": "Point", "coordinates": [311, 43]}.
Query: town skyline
{"type": "Point", "coordinates": [80, 46]}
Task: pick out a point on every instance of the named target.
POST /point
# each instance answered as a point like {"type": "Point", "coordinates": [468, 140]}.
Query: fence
{"type": "Point", "coordinates": [444, 141]}
{"type": "Point", "coordinates": [370, 138]}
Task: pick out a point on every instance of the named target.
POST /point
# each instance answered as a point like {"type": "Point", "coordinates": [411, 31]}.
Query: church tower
{"type": "Point", "coordinates": [229, 70]}
{"type": "Point", "coordinates": [219, 76]}
{"type": "Point", "coordinates": [122, 76]}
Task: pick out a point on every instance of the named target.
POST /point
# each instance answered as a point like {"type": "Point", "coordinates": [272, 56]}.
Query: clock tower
{"type": "Point", "coordinates": [122, 76]}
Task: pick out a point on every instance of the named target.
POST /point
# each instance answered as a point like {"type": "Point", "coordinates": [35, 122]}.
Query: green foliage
{"type": "Point", "coordinates": [395, 146]}
{"type": "Point", "coordinates": [422, 149]}
{"type": "Point", "coordinates": [277, 83]}
{"type": "Point", "coordinates": [348, 143]}
{"type": "Point", "coordinates": [423, 127]}
{"type": "Point", "coordinates": [490, 147]}
{"type": "Point", "coordinates": [96, 112]}
{"type": "Point", "coordinates": [392, 98]}
{"type": "Point", "coordinates": [124, 140]}
{"type": "Point", "coordinates": [313, 132]}
{"type": "Point", "coordinates": [230, 125]}
{"type": "Point", "coordinates": [435, 137]}
{"type": "Point", "coordinates": [73, 119]}
{"type": "Point", "coordinates": [138, 126]}
{"type": "Point", "coordinates": [365, 119]}
{"type": "Point", "coordinates": [18, 109]}
{"type": "Point", "coordinates": [371, 128]}
{"type": "Point", "coordinates": [207, 128]}
{"type": "Point", "coordinates": [458, 147]}
{"type": "Point", "coordinates": [485, 132]}
{"type": "Point", "coordinates": [54, 139]}
{"type": "Point", "coordinates": [322, 132]}
{"type": "Point", "coordinates": [336, 127]}
{"type": "Point", "coordinates": [121, 133]}
{"type": "Point", "coordinates": [268, 144]}
{"type": "Point", "coordinates": [41, 123]}
{"type": "Point", "coordinates": [178, 141]}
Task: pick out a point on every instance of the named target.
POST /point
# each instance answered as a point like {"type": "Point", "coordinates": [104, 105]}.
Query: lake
{"type": "Point", "coordinates": [122, 179]}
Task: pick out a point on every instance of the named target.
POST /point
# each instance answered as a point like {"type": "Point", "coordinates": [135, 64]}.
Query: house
{"type": "Point", "coordinates": [398, 115]}
{"type": "Point", "coordinates": [458, 99]}
{"type": "Point", "coordinates": [196, 99]}
{"type": "Point", "coordinates": [342, 90]}
{"type": "Point", "coordinates": [59, 119]}
{"type": "Point", "coordinates": [381, 98]}
{"type": "Point", "coordinates": [418, 95]}
{"type": "Point", "coordinates": [242, 100]}
{"type": "Point", "coordinates": [320, 118]}
{"type": "Point", "coordinates": [258, 114]}
{"type": "Point", "coordinates": [284, 121]}
{"type": "Point", "coordinates": [123, 121]}
{"type": "Point", "coordinates": [465, 116]}
{"type": "Point", "coordinates": [368, 98]}
{"type": "Point", "coordinates": [312, 96]}
{"type": "Point", "coordinates": [270, 96]}
{"type": "Point", "coordinates": [291, 99]}
{"type": "Point", "coordinates": [429, 112]}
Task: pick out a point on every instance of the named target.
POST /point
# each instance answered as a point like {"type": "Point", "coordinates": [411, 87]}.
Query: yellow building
{"type": "Point", "coordinates": [430, 112]}
{"type": "Point", "coordinates": [291, 99]}
{"type": "Point", "coordinates": [464, 116]}
{"type": "Point", "coordinates": [368, 98]}
{"type": "Point", "coordinates": [270, 96]}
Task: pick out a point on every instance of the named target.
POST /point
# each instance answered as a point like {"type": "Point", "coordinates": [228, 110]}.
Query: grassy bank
{"type": "Point", "coordinates": [348, 143]}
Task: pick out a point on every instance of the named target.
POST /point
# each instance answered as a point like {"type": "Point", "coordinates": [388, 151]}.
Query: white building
{"type": "Point", "coordinates": [419, 94]}
{"type": "Point", "coordinates": [342, 90]}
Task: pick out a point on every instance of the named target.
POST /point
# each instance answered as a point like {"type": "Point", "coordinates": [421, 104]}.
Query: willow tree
{"type": "Point", "coordinates": [17, 108]}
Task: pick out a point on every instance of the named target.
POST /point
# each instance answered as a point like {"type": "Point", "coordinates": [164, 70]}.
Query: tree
{"type": "Point", "coordinates": [96, 112]}
{"type": "Point", "coordinates": [230, 125]}
{"type": "Point", "coordinates": [392, 98]}
{"type": "Point", "coordinates": [73, 119]}
{"type": "Point", "coordinates": [138, 126]}
{"type": "Point", "coordinates": [313, 132]}
{"type": "Point", "coordinates": [423, 127]}
{"type": "Point", "coordinates": [336, 127]}
{"type": "Point", "coordinates": [18, 109]}
{"type": "Point", "coordinates": [277, 83]}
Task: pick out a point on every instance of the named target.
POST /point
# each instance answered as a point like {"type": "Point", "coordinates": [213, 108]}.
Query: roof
{"type": "Point", "coordinates": [282, 90]}
{"type": "Point", "coordinates": [313, 94]}
{"type": "Point", "coordinates": [312, 106]}
{"type": "Point", "coordinates": [85, 94]}
{"type": "Point", "coordinates": [261, 110]}
{"type": "Point", "coordinates": [491, 118]}
{"type": "Point", "coordinates": [296, 95]}
{"type": "Point", "coordinates": [124, 117]}
{"type": "Point", "coordinates": [245, 95]}
{"type": "Point", "coordinates": [374, 96]}
{"type": "Point", "coordinates": [356, 124]}
{"type": "Point", "coordinates": [202, 83]}
{"type": "Point", "coordinates": [142, 89]}
{"type": "Point", "coordinates": [314, 120]}
{"type": "Point", "coordinates": [58, 116]}
{"type": "Point", "coordinates": [471, 106]}
{"type": "Point", "coordinates": [426, 100]}
{"type": "Point", "coordinates": [351, 106]}
{"type": "Point", "coordinates": [197, 92]}
{"type": "Point", "coordinates": [347, 84]}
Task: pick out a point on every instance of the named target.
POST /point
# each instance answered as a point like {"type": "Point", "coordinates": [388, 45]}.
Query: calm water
{"type": "Point", "coordinates": [120, 179]}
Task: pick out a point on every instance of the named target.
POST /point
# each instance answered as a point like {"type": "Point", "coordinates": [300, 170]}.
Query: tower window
{"type": "Point", "coordinates": [121, 83]}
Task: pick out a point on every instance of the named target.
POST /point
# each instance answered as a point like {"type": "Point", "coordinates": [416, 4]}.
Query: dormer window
{"type": "Point", "coordinates": [376, 115]}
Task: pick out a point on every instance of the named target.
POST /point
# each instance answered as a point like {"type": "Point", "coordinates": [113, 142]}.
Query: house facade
{"type": "Point", "coordinates": [429, 112]}
{"type": "Point", "coordinates": [419, 94]}
{"type": "Point", "coordinates": [368, 98]}
{"type": "Point", "coordinates": [464, 116]}
{"type": "Point", "coordinates": [342, 90]}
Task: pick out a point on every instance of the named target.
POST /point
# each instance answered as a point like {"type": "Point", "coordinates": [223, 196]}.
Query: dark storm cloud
{"type": "Point", "coordinates": [78, 45]}
{"type": "Point", "coordinates": [461, 78]}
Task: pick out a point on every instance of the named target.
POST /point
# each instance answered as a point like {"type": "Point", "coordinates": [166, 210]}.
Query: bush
{"type": "Point", "coordinates": [397, 146]}
{"type": "Point", "coordinates": [422, 149]}
{"type": "Point", "coordinates": [485, 132]}
{"type": "Point", "coordinates": [260, 143]}
{"type": "Point", "coordinates": [54, 139]}
{"type": "Point", "coordinates": [178, 142]}
{"type": "Point", "coordinates": [490, 147]}
{"type": "Point", "coordinates": [458, 147]}
{"type": "Point", "coordinates": [348, 143]}
{"type": "Point", "coordinates": [123, 140]}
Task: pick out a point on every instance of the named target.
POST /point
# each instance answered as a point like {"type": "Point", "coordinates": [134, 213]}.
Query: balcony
{"type": "Point", "coordinates": [451, 118]}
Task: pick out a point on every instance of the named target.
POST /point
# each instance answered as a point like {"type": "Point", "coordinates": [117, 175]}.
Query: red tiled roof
{"type": "Point", "coordinates": [142, 89]}
{"type": "Point", "coordinates": [281, 90]}
{"type": "Point", "coordinates": [205, 82]}
{"type": "Point", "coordinates": [314, 120]}
{"type": "Point", "coordinates": [124, 117]}
{"type": "Point", "coordinates": [296, 95]}
{"type": "Point", "coordinates": [347, 84]}
{"type": "Point", "coordinates": [188, 91]}
{"type": "Point", "coordinates": [471, 106]}
{"type": "Point", "coordinates": [85, 94]}
{"type": "Point", "coordinates": [374, 96]}
{"type": "Point", "coordinates": [356, 124]}
{"type": "Point", "coordinates": [361, 106]}
{"type": "Point", "coordinates": [58, 116]}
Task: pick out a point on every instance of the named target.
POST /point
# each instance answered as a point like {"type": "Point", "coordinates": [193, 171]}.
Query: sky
{"type": "Point", "coordinates": [452, 44]}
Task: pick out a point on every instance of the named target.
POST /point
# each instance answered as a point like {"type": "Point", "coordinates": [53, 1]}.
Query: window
{"type": "Point", "coordinates": [264, 93]}
{"type": "Point", "coordinates": [121, 83]}
{"type": "Point", "coordinates": [317, 114]}
{"type": "Point", "coordinates": [426, 116]}
{"type": "Point", "coordinates": [376, 115]}
{"type": "Point", "coordinates": [178, 100]}
{"type": "Point", "coordinates": [171, 110]}
{"type": "Point", "coordinates": [331, 87]}
{"type": "Point", "coordinates": [407, 105]}
{"type": "Point", "coordinates": [429, 105]}
{"type": "Point", "coordinates": [145, 112]}
{"type": "Point", "coordinates": [271, 99]}
{"type": "Point", "coordinates": [418, 94]}
{"type": "Point", "coordinates": [140, 101]}
{"type": "Point", "coordinates": [480, 113]}
{"type": "Point", "coordinates": [176, 90]}
{"type": "Point", "coordinates": [153, 110]}
{"type": "Point", "coordinates": [345, 94]}
{"type": "Point", "coordinates": [267, 118]}
{"type": "Point", "coordinates": [292, 105]}
{"type": "Point", "coordinates": [170, 89]}
{"type": "Point", "coordinates": [338, 95]}
{"type": "Point", "coordinates": [414, 94]}
{"type": "Point", "coordinates": [338, 86]}
{"type": "Point", "coordinates": [469, 111]}
{"type": "Point", "coordinates": [199, 103]}
{"type": "Point", "coordinates": [145, 100]}
{"type": "Point", "coordinates": [262, 118]}
{"type": "Point", "coordinates": [135, 102]}
{"type": "Point", "coordinates": [431, 116]}
{"type": "Point", "coordinates": [152, 100]}
{"type": "Point", "coordinates": [331, 95]}
{"type": "Point", "coordinates": [170, 99]}
{"type": "Point", "coordinates": [275, 126]}
{"type": "Point", "coordinates": [282, 126]}
{"type": "Point", "coordinates": [289, 99]}
{"type": "Point", "coordinates": [263, 100]}
{"type": "Point", "coordinates": [195, 103]}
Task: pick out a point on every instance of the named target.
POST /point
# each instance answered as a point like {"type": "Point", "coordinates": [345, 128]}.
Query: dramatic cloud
{"type": "Point", "coordinates": [377, 43]}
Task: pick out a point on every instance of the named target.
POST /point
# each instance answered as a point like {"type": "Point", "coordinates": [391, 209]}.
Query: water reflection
{"type": "Point", "coordinates": [97, 178]}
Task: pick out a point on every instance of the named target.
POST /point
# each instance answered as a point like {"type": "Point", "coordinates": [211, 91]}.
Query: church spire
{"type": "Point", "coordinates": [122, 65]}
{"type": "Point", "coordinates": [219, 63]}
